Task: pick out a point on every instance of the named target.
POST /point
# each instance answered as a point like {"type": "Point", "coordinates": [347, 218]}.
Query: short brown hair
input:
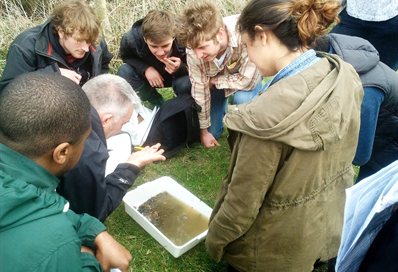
{"type": "Point", "coordinates": [158, 26]}
{"type": "Point", "coordinates": [200, 21]}
{"type": "Point", "coordinates": [76, 15]}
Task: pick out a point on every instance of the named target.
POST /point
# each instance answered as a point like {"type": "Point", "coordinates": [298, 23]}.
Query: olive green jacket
{"type": "Point", "coordinates": [280, 208]}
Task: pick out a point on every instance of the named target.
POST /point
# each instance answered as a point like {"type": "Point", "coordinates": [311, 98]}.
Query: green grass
{"type": "Point", "coordinates": [200, 171]}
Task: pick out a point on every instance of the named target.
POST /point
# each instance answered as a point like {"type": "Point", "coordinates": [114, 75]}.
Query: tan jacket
{"type": "Point", "coordinates": [280, 208]}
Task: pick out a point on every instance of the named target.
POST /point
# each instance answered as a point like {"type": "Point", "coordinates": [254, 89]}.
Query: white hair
{"type": "Point", "coordinates": [111, 93]}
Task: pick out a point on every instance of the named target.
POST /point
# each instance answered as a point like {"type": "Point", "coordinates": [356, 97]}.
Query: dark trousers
{"type": "Point", "coordinates": [180, 84]}
{"type": "Point", "coordinates": [383, 35]}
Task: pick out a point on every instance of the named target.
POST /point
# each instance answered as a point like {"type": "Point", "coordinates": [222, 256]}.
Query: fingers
{"type": "Point", "coordinates": [157, 83]}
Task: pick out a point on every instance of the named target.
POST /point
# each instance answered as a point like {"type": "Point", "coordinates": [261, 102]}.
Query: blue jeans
{"type": "Point", "coordinates": [219, 106]}
{"type": "Point", "coordinates": [241, 97]}
{"type": "Point", "coordinates": [378, 135]}
{"type": "Point", "coordinates": [383, 35]}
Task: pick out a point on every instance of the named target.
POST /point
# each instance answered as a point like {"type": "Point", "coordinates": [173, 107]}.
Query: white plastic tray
{"type": "Point", "coordinates": [133, 199]}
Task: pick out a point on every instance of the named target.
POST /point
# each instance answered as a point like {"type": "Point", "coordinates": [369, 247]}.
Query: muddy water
{"type": "Point", "coordinates": [176, 220]}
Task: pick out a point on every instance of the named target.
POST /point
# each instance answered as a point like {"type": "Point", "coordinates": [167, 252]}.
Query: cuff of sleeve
{"type": "Point", "coordinates": [129, 167]}
{"type": "Point", "coordinates": [128, 172]}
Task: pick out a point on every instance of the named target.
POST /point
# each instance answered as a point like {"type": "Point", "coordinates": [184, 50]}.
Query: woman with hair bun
{"type": "Point", "coordinates": [280, 207]}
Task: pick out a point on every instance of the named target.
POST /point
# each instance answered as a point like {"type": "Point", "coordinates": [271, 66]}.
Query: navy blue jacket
{"type": "Point", "coordinates": [86, 187]}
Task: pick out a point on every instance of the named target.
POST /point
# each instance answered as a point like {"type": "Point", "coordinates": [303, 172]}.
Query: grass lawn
{"type": "Point", "coordinates": [200, 171]}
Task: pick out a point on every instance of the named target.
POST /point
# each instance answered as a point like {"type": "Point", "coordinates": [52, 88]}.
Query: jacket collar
{"type": "Point", "coordinates": [19, 166]}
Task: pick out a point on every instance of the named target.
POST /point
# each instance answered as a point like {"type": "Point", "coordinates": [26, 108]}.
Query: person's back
{"type": "Point", "coordinates": [38, 231]}
{"type": "Point", "coordinates": [379, 122]}
{"type": "Point", "coordinates": [280, 207]}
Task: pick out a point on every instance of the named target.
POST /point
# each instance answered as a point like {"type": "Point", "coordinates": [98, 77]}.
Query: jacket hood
{"type": "Point", "coordinates": [358, 52]}
{"type": "Point", "coordinates": [27, 191]}
{"type": "Point", "coordinates": [308, 111]}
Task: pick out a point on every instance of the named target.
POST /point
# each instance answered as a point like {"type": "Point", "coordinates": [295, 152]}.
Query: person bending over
{"type": "Point", "coordinates": [86, 186]}
{"type": "Point", "coordinates": [44, 123]}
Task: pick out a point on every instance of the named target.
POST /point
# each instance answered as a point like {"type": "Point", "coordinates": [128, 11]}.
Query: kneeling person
{"type": "Point", "coordinates": [86, 186]}
{"type": "Point", "coordinates": [153, 58]}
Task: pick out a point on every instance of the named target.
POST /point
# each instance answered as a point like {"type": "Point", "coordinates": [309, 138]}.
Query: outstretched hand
{"type": "Point", "coordinates": [147, 155]}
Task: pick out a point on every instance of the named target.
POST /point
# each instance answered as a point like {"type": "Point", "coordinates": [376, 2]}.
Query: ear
{"type": "Point", "coordinates": [221, 33]}
{"type": "Point", "coordinates": [61, 33]}
{"type": "Point", "coordinates": [261, 34]}
{"type": "Point", "coordinates": [61, 153]}
{"type": "Point", "coordinates": [106, 118]}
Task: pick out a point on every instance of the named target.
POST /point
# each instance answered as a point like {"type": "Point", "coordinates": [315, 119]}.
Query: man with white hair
{"type": "Point", "coordinates": [86, 186]}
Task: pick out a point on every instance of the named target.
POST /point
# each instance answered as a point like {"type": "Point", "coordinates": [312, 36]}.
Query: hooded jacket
{"type": "Point", "coordinates": [373, 73]}
{"type": "Point", "coordinates": [32, 50]}
{"type": "Point", "coordinates": [135, 52]}
{"type": "Point", "coordinates": [38, 232]}
{"type": "Point", "coordinates": [280, 207]}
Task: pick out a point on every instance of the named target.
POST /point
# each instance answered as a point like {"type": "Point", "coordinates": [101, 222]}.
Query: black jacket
{"type": "Point", "coordinates": [86, 187]}
{"type": "Point", "coordinates": [32, 50]}
{"type": "Point", "coordinates": [373, 73]}
{"type": "Point", "coordinates": [135, 52]}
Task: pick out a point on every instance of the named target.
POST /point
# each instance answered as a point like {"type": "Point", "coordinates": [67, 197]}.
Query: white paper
{"type": "Point", "coordinates": [137, 130]}
{"type": "Point", "coordinates": [368, 205]}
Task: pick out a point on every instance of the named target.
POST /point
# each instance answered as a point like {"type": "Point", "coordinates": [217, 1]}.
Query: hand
{"type": "Point", "coordinates": [208, 139]}
{"type": "Point", "coordinates": [212, 83]}
{"type": "Point", "coordinates": [111, 254]}
{"type": "Point", "coordinates": [154, 78]}
{"type": "Point", "coordinates": [146, 156]}
{"type": "Point", "coordinates": [72, 75]}
{"type": "Point", "coordinates": [172, 64]}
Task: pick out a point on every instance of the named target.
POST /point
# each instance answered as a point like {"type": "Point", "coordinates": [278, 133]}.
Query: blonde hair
{"type": "Point", "coordinates": [158, 26]}
{"type": "Point", "coordinates": [297, 23]}
{"type": "Point", "coordinates": [76, 15]}
{"type": "Point", "coordinates": [200, 21]}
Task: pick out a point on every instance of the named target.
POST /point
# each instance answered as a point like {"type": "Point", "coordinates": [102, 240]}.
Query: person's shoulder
{"type": "Point", "coordinates": [31, 33]}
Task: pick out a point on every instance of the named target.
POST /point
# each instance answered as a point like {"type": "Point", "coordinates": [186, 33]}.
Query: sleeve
{"type": "Point", "coordinates": [68, 257]}
{"type": "Point", "coordinates": [87, 227]}
{"type": "Point", "coordinates": [117, 184]}
{"type": "Point", "coordinates": [370, 107]}
{"type": "Point", "coordinates": [181, 53]}
{"type": "Point", "coordinates": [242, 194]}
{"type": "Point", "coordinates": [106, 57]}
{"type": "Point", "coordinates": [200, 89]}
{"type": "Point", "coordinates": [21, 60]}
{"type": "Point", "coordinates": [129, 55]}
{"type": "Point", "coordinates": [246, 77]}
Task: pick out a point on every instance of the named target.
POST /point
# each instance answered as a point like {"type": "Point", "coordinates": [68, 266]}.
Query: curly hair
{"type": "Point", "coordinates": [200, 21]}
{"type": "Point", "coordinates": [76, 15]}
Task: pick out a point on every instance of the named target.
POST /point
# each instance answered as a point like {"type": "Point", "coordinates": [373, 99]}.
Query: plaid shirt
{"type": "Point", "coordinates": [235, 73]}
